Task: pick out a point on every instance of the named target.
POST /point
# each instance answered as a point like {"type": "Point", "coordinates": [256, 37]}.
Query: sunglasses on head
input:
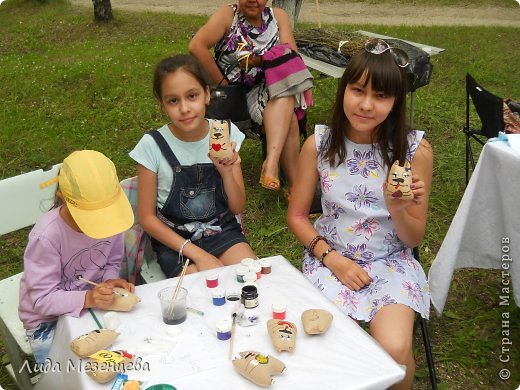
{"type": "Point", "coordinates": [378, 46]}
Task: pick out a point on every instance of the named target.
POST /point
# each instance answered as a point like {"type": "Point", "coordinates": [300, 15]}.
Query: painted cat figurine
{"type": "Point", "coordinates": [258, 368]}
{"type": "Point", "coordinates": [283, 334]}
{"type": "Point", "coordinates": [399, 181]}
{"type": "Point", "coordinates": [219, 141]}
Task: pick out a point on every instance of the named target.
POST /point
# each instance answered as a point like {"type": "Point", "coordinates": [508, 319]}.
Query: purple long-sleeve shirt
{"type": "Point", "coordinates": [55, 257]}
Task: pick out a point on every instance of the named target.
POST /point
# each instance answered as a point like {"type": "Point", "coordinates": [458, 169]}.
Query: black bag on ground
{"type": "Point", "coordinates": [230, 102]}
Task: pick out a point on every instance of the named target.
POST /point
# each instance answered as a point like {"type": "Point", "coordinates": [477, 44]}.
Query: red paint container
{"type": "Point", "coordinates": [212, 279]}
{"type": "Point", "coordinates": [279, 310]}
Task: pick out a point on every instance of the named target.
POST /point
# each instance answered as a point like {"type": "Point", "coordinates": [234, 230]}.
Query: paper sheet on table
{"type": "Point", "coordinates": [171, 357]}
{"type": "Point", "coordinates": [514, 142]}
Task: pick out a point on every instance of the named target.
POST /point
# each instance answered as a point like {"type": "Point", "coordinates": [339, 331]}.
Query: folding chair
{"type": "Point", "coordinates": [22, 203]}
{"type": "Point", "coordinates": [489, 108]}
{"type": "Point", "coordinates": [426, 337]}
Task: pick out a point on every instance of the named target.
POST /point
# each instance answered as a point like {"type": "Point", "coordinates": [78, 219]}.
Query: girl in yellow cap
{"type": "Point", "coordinates": [80, 239]}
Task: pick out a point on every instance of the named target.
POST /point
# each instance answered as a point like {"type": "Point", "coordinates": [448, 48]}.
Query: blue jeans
{"type": "Point", "coordinates": [40, 340]}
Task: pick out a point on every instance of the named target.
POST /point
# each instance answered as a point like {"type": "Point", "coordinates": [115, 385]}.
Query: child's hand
{"type": "Point", "coordinates": [101, 296]}
{"type": "Point", "coordinates": [350, 273]}
{"type": "Point", "coordinates": [397, 205]}
{"type": "Point", "coordinates": [121, 283]}
{"type": "Point", "coordinates": [208, 262]}
{"type": "Point", "coordinates": [225, 166]}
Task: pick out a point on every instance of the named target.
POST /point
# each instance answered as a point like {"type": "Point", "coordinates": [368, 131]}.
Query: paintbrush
{"type": "Point", "coordinates": [231, 342]}
{"type": "Point", "coordinates": [97, 285]}
{"type": "Point", "coordinates": [178, 288]}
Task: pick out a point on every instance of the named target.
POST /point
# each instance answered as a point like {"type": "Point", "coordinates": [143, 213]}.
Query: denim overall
{"type": "Point", "coordinates": [196, 209]}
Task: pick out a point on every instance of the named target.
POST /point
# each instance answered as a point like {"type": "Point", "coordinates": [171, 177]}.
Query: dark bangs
{"type": "Point", "coordinates": [383, 73]}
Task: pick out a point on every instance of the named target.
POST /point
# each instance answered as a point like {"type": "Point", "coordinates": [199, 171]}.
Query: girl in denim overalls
{"type": "Point", "coordinates": [187, 202]}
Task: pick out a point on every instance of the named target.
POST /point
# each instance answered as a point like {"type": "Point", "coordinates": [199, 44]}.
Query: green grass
{"type": "Point", "coordinates": [68, 83]}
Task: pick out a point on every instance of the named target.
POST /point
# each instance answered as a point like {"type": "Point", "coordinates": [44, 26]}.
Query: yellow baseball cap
{"type": "Point", "coordinates": [91, 190]}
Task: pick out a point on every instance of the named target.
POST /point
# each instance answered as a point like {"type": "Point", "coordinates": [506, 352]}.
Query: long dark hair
{"type": "Point", "coordinates": [173, 64]}
{"type": "Point", "coordinates": [391, 135]}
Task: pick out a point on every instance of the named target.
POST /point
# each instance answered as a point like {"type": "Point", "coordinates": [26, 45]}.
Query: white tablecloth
{"type": "Point", "coordinates": [485, 231]}
{"type": "Point", "coordinates": [345, 357]}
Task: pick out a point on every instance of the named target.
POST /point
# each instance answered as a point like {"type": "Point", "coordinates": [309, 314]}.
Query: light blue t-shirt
{"type": "Point", "coordinates": [148, 154]}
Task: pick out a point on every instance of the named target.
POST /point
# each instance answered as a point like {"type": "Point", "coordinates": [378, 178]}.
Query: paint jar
{"type": "Point", "coordinates": [233, 295]}
{"type": "Point", "coordinates": [247, 262]}
{"type": "Point", "coordinates": [257, 269]}
{"type": "Point", "coordinates": [224, 329]}
{"type": "Point", "coordinates": [279, 310]}
{"type": "Point", "coordinates": [241, 270]}
{"type": "Point", "coordinates": [250, 277]}
{"type": "Point", "coordinates": [219, 296]}
{"type": "Point", "coordinates": [212, 279]}
{"type": "Point", "coordinates": [249, 297]}
{"type": "Point", "coordinates": [266, 266]}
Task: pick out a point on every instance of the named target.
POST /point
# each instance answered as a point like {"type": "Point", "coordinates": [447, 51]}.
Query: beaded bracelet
{"type": "Point", "coordinates": [324, 254]}
{"type": "Point", "coordinates": [313, 242]}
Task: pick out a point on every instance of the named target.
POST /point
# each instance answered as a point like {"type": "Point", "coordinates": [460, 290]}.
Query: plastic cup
{"type": "Point", "coordinates": [176, 313]}
{"type": "Point", "coordinates": [212, 279]}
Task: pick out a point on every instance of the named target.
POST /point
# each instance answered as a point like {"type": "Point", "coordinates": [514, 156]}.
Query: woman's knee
{"type": "Point", "coordinates": [400, 349]}
{"type": "Point", "coordinates": [392, 327]}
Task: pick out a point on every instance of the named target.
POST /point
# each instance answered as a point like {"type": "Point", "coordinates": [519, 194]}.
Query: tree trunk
{"type": "Point", "coordinates": [102, 10]}
{"type": "Point", "coordinates": [292, 7]}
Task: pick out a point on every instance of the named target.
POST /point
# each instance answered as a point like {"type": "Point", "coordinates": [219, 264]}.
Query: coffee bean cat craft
{"type": "Point", "coordinates": [124, 300]}
{"type": "Point", "coordinates": [398, 184]}
{"type": "Point", "coordinates": [283, 334]}
{"type": "Point", "coordinates": [103, 371]}
{"type": "Point", "coordinates": [316, 321]}
{"type": "Point", "coordinates": [91, 342]}
{"type": "Point", "coordinates": [219, 141]}
{"type": "Point", "coordinates": [258, 368]}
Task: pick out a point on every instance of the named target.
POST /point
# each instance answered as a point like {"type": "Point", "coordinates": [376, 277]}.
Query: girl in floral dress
{"type": "Point", "coordinates": [358, 252]}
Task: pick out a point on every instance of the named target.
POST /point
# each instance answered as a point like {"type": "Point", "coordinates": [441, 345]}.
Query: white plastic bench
{"type": "Point", "coordinates": [22, 202]}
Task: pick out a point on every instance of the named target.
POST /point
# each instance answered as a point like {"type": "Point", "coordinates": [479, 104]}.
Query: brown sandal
{"type": "Point", "coordinates": [269, 183]}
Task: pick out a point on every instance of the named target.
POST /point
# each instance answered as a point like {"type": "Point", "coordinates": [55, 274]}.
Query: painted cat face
{"type": "Point", "coordinates": [219, 142]}
{"type": "Point", "coordinates": [283, 334]}
{"type": "Point", "coordinates": [399, 181]}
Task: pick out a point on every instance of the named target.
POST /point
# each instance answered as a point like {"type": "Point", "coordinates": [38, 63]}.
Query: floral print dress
{"type": "Point", "coordinates": [356, 223]}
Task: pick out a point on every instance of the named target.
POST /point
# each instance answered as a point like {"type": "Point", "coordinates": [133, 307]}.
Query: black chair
{"type": "Point", "coordinates": [489, 108]}
{"type": "Point", "coordinates": [426, 337]}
